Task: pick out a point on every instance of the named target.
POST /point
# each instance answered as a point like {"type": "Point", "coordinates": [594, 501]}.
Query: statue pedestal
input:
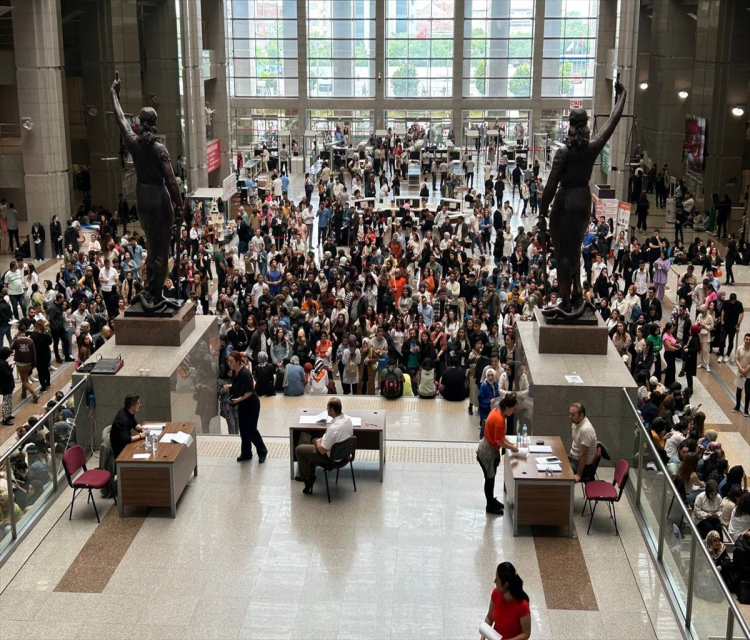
{"type": "Point", "coordinates": [162, 332]}
{"type": "Point", "coordinates": [169, 380]}
{"type": "Point", "coordinates": [575, 339]}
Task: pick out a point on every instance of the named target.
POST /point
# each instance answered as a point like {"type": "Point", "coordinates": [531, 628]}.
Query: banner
{"type": "Point", "coordinates": [230, 187]}
{"type": "Point", "coordinates": [604, 159]}
{"type": "Point", "coordinates": [622, 222]}
{"type": "Point", "coordinates": [213, 155]}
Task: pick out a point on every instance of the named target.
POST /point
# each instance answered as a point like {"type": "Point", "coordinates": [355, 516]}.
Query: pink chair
{"type": "Point", "coordinates": [73, 461]}
{"type": "Point", "coordinates": [599, 491]}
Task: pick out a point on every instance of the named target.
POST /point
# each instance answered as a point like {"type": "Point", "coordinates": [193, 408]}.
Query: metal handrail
{"type": "Point", "coordinates": [5, 458]}
{"type": "Point", "coordinates": [735, 614]}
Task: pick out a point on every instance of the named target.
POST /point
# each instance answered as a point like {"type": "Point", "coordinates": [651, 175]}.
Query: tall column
{"type": "Point", "coordinates": [626, 54]}
{"type": "Point", "coordinates": [37, 34]}
{"type": "Point", "coordinates": [381, 73]}
{"type": "Point", "coordinates": [458, 67]}
{"type": "Point", "coordinates": [302, 121]}
{"type": "Point", "coordinates": [217, 90]}
{"type": "Point", "coordinates": [343, 49]}
{"type": "Point", "coordinates": [606, 39]}
{"type": "Point", "coordinates": [161, 74]}
{"type": "Point", "coordinates": [536, 70]}
{"type": "Point", "coordinates": [497, 64]}
{"type": "Point", "coordinates": [193, 93]}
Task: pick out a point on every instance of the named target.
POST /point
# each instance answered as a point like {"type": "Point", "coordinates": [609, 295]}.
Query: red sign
{"type": "Point", "coordinates": [576, 104]}
{"type": "Point", "coordinates": [213, 155]}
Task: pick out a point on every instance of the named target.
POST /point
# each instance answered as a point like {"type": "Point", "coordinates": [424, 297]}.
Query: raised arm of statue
{"type": "Point", "coordinates": [119, 115]}
{"type": "Point", "coordinates": [609, 127]}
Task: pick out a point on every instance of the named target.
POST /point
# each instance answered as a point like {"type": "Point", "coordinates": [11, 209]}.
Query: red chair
{"type": "Point", "coordinates": [73, 461]}
{"type": "Point", "coordinates": [599, 491]}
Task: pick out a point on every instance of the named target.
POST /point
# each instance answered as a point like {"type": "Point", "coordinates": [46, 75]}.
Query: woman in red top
{"type": "Point", "coordinates": [509, 612]}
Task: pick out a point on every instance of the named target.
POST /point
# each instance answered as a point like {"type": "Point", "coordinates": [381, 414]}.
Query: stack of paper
{"type": "Point", "coordinates": [180, 438]}
{"type": "Point", "coordinates": [540, 448]}
{"type": "Point", "coordinates": [521, 453]}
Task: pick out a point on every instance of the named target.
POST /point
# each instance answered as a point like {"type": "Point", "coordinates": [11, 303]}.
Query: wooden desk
{"type": "Point", "coordinates": [370, 438]}
{"type": "Point", "coordinates": [157, 481]}
{"type": "Point", "coordinates": [534, 498]}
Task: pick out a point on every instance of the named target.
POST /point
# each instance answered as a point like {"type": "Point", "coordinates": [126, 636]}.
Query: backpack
{"type": "Point", "coordinates": [392, 386]}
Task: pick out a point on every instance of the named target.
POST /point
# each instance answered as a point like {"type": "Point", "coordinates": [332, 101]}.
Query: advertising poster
{"type": "Point", "coordinates": [213, 155]}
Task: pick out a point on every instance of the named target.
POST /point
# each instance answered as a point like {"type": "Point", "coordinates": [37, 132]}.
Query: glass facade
{"type": "Point", "coordinates": [341, 48]}
{"type": "Point", "coordinates": [419, 48]}
{"type": "Point", "coordinates": [263, 48]}
{"type": "Point", "coordinates": [498, 48]}
{"type": "Point", "coordinates": [254, 126]}
{"type": "Point", "coordinates": [569, 48]}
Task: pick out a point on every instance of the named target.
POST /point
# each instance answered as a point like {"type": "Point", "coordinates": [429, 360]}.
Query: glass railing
{"type": "Point", "coordinates": [31, 469]}
{"type": "Point", "coordinates": [702, 600]}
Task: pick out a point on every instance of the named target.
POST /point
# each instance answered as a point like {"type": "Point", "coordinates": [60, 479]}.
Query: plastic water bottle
{"type": "Point", "coordinates": [524, 435]}
{"type": "Point", "coordinates": [148, 441]}
{"type": "Point", "coordinates": [155, 436]}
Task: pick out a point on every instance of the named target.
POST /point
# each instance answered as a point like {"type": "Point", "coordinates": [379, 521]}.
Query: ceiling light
{"type": "Point", "coordinates": [27, 123]}
{"type": "Point", "coordinates": [738, 111]}
{"type": "Point", "coordinates": [644, 85]}
{"type": "Point", "coordinates": [683, 94]}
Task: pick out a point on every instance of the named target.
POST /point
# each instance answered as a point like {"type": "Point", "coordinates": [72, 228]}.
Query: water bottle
{"type": "Point", "coordinates": [155, 436]}
{"type": "Point", "coordinates": [524, 435]}
{"type": "Point", "coordinates": [148, 441]}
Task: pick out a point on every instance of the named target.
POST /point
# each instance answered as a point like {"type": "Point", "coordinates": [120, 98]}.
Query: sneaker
{"type": "Point", "coordinates": [494, 509]}
{"type": "Point", "coordinates": [746, 414]}
{"type": "Point", "coordinates": [498, 503]}
{"type": "Point", "coordinates": [735, 410]}
{"type": "Point", "coordinates": [720, 360]}
{"type": "Point", "coordinates": [708, 369]}
{"type": "Point", "coordinates": [700, 366]}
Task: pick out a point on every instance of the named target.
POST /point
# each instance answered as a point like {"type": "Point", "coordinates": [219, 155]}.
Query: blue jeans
{"type": "Point", "coordinates": [15, 300]}
{"type": "Point", "coordinates": [5, 331]}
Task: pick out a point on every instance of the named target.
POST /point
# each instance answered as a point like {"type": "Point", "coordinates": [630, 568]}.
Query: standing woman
{"type": "Point", "coordinates": [671, 349]}
{"type": "Point", "coordinates": [488, 391]}
{"type": "Point", "coordinates": [55, 233]}
{"type": "Point", "coordinates": [243, 394]}
{"type": "Point", "coordinates": [662, 265]}
{"type": "Point", "coordinates": [7, 384]}
{"type": "Point", "coordinates": [509, 612]}
{"type": "Point", "coordinates": [42, 344]}
{"type": "Point", "coordinates": [690, 355]}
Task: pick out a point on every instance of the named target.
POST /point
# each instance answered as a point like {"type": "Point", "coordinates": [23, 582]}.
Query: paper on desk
{"type": "Point", "coordinates": [543, 467]}
{"type": "Point", "coordinates": [180, 438]}
{"type": "Point", "coordinates": [156, 426]}
{"type": "Point", "coordinates": [356, 422]}
{"type": "Point", "coordinates": [523, 452]}
{"type": "Point", "coordinates": [539, 448]}
{"type": "Point", "coordinates": [141, 456]}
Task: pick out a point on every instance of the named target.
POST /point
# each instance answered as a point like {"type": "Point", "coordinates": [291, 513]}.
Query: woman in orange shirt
{"type": "Point", "coordinates": [488, 452]}
{"type": "Point", "coordinates": [509, 612]}
{"type": "Point", "coordinates": [429, 281]}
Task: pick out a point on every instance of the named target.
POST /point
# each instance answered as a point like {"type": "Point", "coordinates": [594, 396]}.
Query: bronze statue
{"type": "Point", "coordinates": [571, 210]}
{"type": "Point", "coordinates": [157, 196]}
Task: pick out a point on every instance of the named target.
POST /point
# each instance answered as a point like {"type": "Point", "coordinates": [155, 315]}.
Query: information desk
{"type": "Point", "coordinates": [156, 481]}
{"type": "Point", "coordinates": [370, 436]}
{"type": "Point", "coordinates": [536, 498]}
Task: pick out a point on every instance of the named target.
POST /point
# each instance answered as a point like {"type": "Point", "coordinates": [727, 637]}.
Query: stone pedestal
{"type": "Point", "coordinates": [165, 332]}
{"type": "Point", "coordinates": [604, 383]}
{"type": "Point", "coordinates": [174, 383]}
{"type": "Point", "coordinates": [561, 338]}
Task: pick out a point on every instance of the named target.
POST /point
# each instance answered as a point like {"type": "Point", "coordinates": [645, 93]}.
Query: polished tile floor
{"type": "Point", "coordinates": [249, 556]}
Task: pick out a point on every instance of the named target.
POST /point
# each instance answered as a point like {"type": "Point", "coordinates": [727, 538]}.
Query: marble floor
{"type": "Point", "coordinates": [250, 556]}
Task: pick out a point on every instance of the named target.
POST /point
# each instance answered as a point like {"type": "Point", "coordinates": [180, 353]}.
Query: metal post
{"type": "Point", "coordinates": [730, 624]}
{"type": "Point", "coordinates": [662, 521]}
{"type": "Point", "coordinates": [641, 454]}
{"type": "Point", "coordinates": [51, 430]}
{"type": "Point", "coordinates": [11, 499]}
{"type": "Point", "coordinates": [691, 583]}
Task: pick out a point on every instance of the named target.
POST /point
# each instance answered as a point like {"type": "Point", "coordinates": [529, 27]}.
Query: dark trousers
{"type": "Point", "coordinates": [13, 233]}
{"type": "Point", "coordinates": [43, 374]}
{"type": "Point", "coordinates": [16, 300]}
{"type": "Point", "coordinates": [110, 301]}
{"type": "Point", "coordinates": [39, 250]}
{"type": "Point", "coordinates": [249, 428]}
{"type": "Point", "coordinates": [722, 224]}
{"type": "Point", "coordinates": [641, 224]}
{"type": "Point", "coordinates": [678, 232]}
{"type": "Point", "coordinates": [57, 336]}
{"type": "Point", "coordinates": [470, 178]}
{"type": "Point", "coordinates": [727, 339]}
{"type": "Point", "coordinates": [730, 274]}
{"type": "Point", "coordinates": [738, 395]}
{"type": "Point", "coordinates": [671, 359]}
{"type": "Point", "coordinates": [57, 246]}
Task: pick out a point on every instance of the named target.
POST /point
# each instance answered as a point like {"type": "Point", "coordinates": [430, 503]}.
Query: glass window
{"type": "Point", "coordinates": [419, 48]}
{"type": "Point", "coordinates": [255, 126]}
{"type": "Point", "coordinates": [498, 45]}
{"type": "Point", "coordinates": [263, 47]}
{"type": "Point", "coordinates": [341, 48]}
{"type": "Point", "coordinates": [569, 48]}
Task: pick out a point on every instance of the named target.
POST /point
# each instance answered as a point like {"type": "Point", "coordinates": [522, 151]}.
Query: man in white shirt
{"type": "Point", "coordinates": [583, 449]}
{"type": "Point", "coordinates": [278, 188]}
{"type": "Point", "coordinates": [319, 451]}
{"type": "Point", "coordinates": [107, 280]}
{"type": "Point", "coordinates": [78, 317]}
{"type": "Point", "coordinates": [257, 291]}
{"type": "Point", "coordinates": [641, 281]}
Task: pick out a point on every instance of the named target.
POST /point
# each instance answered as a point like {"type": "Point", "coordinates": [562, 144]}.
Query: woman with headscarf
{"type": "Point", "coordinates": [264, 373]}
{"type": "Point", "coordinates": [720, 556]}
{"type": "Point", "coordinates": [318, 381]}
{"type": "Point", "coordinates": [488, 391]}
{"type": "Point", "coordinates": [294, 378]}
{"type": "Point", "coordinates": [706, 322]}
{"type": "Point", "coordinates": [351, 358]}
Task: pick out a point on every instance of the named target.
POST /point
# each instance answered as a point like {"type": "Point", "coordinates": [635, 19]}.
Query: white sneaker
{"type": "Point", "coordinates": [700, 366]}
{"type": "Point", "coordinates": [708, 369]}
{"type": "Point", "coordinates": [720, 360]}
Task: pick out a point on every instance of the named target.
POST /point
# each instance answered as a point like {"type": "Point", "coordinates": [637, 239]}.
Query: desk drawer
{"type": "Point", "coordinates": [543, 505]}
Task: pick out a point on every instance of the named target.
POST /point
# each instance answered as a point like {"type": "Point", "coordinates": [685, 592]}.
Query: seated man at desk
{"type": "Point", "coordinates": [583, 449]}
{"type": "Point", "coordinates": [124, 424]}
{"type": "Point", "coordinates": [319, 450]}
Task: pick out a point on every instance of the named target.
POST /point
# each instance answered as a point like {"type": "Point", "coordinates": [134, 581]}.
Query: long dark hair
{"type": "Point", "coordinates": [579, 132]}
{"type": "Point", "coordinates": [147, 129]}
{"type": "Point", "coordinates": [507, 574]}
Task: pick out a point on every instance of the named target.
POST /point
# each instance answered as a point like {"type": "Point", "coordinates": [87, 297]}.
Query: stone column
{"type": "Point", "coordinates": [536, 72]}
{"type": "Point", "coordinates": [602, 101]}
{"type": "Point", "coordinates": [302, 119]}
{"type": "Point", "coordinates": [456, 103]}
{"type": "Point", "coordinates": [37, 34]}
{"type": "Point", "coordinates": [497, 54]}
{"type": "Point", "coordinates": [217, 91]}
{"type": "Point", "coordinates": [343, 50]}
{"type": "Point", "coordinates": [626, 53]}
{"type": "Point", "coordinates": [193, 94]}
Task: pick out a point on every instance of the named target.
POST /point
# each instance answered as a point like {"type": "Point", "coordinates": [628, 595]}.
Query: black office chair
{"type": "Point", "coordinates": [342, 454]}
